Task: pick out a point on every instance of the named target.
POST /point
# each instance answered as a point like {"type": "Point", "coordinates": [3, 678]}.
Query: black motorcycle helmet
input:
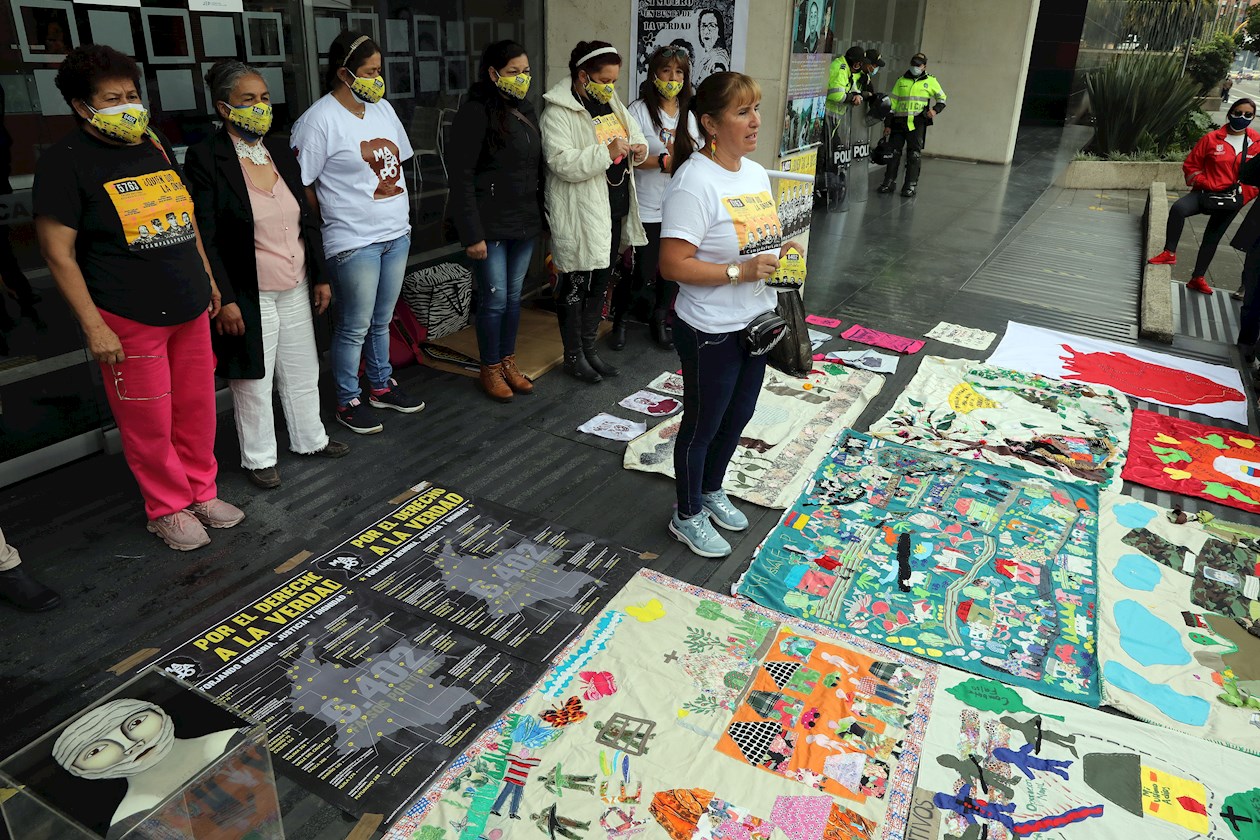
{"type": "Point", "coordinates": [882, 154]}
{"type": "Point", "coordinates": [878, 107]}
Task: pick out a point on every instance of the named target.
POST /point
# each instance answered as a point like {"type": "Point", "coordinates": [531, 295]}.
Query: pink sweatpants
{"type": "Point", "coordinates": [162, 396]}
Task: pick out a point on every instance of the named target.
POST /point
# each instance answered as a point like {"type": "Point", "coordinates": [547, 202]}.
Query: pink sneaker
{"type": "Point", "coordinates": [216, 513]}
{"type": "Point", "coordinates": [179, 530]}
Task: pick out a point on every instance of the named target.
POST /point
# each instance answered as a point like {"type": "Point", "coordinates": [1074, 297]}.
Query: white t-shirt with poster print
{"type": "Point", "coordinates": [356, 166]}
{"type": "Point", "coordinates": [730, 217]}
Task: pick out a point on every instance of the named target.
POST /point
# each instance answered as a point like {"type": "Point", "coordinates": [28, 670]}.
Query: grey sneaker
{"type": "Point", "coordinates": [725, 515]}
{"type": "Point", "coordinates": [216, 513]}
{"type": "Point", "coordinates": [179, 530]}
{"type": "Point", "coordinates": [697, 534]}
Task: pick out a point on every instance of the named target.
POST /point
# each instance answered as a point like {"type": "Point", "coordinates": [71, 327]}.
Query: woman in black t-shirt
{"type": "Point", "coordinates": [115, 225]}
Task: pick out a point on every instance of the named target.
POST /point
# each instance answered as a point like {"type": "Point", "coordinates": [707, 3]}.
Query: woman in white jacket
{"type": "Point", "coordinates": [591, 143]}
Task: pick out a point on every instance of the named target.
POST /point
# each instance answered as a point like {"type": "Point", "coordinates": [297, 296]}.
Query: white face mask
{"type": "Point", "coordinates": [916, 71]}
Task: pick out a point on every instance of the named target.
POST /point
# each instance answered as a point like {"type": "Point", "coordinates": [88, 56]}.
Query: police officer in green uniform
{"type": "Point", "coordinates": [916, 100]}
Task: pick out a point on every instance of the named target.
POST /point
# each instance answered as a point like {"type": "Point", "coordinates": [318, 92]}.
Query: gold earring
{"type": "Point", "coordinates": [713, 145]}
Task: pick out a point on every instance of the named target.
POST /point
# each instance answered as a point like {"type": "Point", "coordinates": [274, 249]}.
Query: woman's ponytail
{"type": "Point", "coordinates": [684, 142]}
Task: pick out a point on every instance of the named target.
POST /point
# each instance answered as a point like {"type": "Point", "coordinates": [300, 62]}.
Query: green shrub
{"type": "Point", "coordinates": [1210, 61]}
{"type": "Point", "coordinates": [1139, 102]}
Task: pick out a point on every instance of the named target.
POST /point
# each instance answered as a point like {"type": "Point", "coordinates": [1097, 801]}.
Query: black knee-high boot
{"type": "Point", "coordinates": [592, 315]}
{"type": "Point", "coordinates": [569, 306]}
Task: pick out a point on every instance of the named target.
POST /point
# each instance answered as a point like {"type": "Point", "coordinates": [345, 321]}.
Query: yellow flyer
{"type": "Point", "coordinates": [791, 271]}
{"type": "Point", "coordinates": [757, 227]}
{"type": "Point", "coordinates": [609, 128]}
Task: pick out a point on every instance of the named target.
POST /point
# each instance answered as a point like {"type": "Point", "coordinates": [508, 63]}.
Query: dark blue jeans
{"type": "Point", "coordinates": [499, 279]}
{"type": "Point", "coordinates": [721, 383]}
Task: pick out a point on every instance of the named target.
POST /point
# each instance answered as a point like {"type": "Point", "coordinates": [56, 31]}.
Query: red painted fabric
{"type": "Point", "coordinates": [1192, 459]}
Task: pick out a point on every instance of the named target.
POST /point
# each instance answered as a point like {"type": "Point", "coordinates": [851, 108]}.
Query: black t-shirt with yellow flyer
{"type": "Point", "coordinates": [136, 244]}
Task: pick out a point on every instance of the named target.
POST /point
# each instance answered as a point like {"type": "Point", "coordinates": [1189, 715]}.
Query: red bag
{"type": "Point", "coordinates": [405, 337]}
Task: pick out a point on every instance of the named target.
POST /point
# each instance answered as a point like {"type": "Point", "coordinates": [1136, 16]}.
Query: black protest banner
{"type": "Point", "coordinates": [517, 583]}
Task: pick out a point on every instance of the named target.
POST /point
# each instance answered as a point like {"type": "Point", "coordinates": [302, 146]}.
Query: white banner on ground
{"type": "Point", "coordinates": [1174, 381]}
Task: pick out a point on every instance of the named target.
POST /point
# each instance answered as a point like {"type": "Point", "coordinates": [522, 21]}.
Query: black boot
{"type": "Point", "coordinates": [575, 364]}
{"type": "Point", "coordinates": [887, 187]}
{"type": "Point", "coordinates": [25, 592]}
{"type": "Point", "coordinates": [908, 190]}
{"type": "Point", "coordinates": [662, 332]}
{"type": "Point", "coordinates": [591, 318]}
{"type": "Point", "coordinates": [617, 340]}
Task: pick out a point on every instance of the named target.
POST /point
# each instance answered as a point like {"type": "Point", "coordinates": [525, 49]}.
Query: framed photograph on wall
{"type": "Point", "coordinates": [326, 31]}
{"type": "Point", "coordinates": [480, 35]}
{"type": "Point", "coordinates": [455, 36]}
{"type": "Point", "coordinates": [167, 36]}
{"type": "Point", "coordinates": [46, 29]}
{"type": "Point", "coordinates": [399, 80]}
{"type": "Point", "coordinates": [428, 35]}
{"type": "Point", "coordinates": [457, 73]}
{"type": "Point", "coordinates": [430, 75]}
{"type": "Point", "coordinates": [218, 36]}
{"type": "Point", "coordinates": [396, 36]}
{"type": "Point", "coordinates": [264, 36]}
{"type": "Point", "coordinates": [366, 23]}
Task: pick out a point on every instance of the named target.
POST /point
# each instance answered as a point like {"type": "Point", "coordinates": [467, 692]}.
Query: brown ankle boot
{"type": "Point", "coordinates": [516, 380]}
{"type": "Point", "coordinates": [493, 383]}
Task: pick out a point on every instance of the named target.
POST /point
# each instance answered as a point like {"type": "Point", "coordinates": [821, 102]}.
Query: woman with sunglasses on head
{"type": "Point", "coordinates": [496, 168]}
{"type": "Point", "coordinates": [247, 188]}
{"type": "Point", "coordinates": [351, 147]}
{"type": "Point", "coordinates": [663, 99]}
{"type": "Point", "coordinates": [720, 239]}
{"type": "Point", "coordinates": [1212, 167]}
{"type": "Point", "coordinates": [590, 143]}
{"type": "Point", "coordinates": [115, 226]}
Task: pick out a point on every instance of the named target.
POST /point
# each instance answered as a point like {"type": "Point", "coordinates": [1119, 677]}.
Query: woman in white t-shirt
{"type": "Point", "coordinates": [664, 95]}
{"type": "Point", "coordinates": [720, 238]}
{"type": "Point", "coordinates": [351, 147]}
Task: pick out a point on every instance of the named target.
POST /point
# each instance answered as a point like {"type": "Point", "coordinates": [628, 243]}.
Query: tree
{"type": "Point", "coordinates": [1210, 60]}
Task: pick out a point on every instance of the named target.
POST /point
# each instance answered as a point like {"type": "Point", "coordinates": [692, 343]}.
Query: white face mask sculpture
{"type": "Point", "coordinates": [119, 739]}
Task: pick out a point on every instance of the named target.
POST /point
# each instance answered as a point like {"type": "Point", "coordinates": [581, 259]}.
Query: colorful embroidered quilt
{"type": "Point", "coordinates": [685, 714]}
{"type": "Point", "coordinates": [1002, 416]}
{"type": "Point", "coordinates": [1191, 459]}
{"type": "Point", "coordinates": [984, 568]}
{"type": "Point", "coordinates": [1004, 764]}
{"type": "Point", "coordinates": [794, 426]}
{"type": "Point", "coordinates": [1171, 638]}
{"type": "Point", "coordinates": [1174, 381]}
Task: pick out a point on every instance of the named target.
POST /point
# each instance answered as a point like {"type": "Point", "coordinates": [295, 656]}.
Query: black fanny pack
{"type": "Point", "coordinates": [762, 333]}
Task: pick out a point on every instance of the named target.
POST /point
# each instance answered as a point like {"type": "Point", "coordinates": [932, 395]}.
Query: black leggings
{"type": "Point", "coordinates": [575, 286]}
{"type": "Point", "coordinates": [647, 259]}
{"type": "Point", "coordinates": [1185, 207]}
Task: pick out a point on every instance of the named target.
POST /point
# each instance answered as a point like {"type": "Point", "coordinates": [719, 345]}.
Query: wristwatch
{"type": "Point", "coordinates": [732, 273]}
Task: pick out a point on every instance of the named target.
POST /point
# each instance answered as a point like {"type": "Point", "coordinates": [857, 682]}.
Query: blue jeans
{"type": "Point", "coordinates": [366, 282]}
{"type": "Point", "coordinates": [499, 279]}
{"type": "Point", "coordinates": [721, 383]}
{"type": "Point", "coordinates": [509, 791]}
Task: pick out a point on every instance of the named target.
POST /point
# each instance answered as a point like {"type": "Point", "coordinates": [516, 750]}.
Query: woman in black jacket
{"type": "Point", "coordinates": [496, 205]}
{"type": "Point", "coordinates": [264, 245]}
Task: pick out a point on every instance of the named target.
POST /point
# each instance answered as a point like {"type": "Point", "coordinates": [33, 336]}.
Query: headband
{"type": "Point", "coordinates": [353, 47]}
{"type": "Point", "coordinates": [594, 53]}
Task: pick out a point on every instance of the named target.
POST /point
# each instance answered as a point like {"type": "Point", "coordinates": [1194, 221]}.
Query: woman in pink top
{"type": "Point", "coordinates": [264, 242]}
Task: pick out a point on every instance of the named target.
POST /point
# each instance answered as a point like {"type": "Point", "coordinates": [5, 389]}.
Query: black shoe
{"type": "Point", "coordinates": [600, 366]}
{"type": "Point", "coordinates": [397, 399]}
{"type": "Point", "coordinates": [334, 449]}
{"type": "Point", "coordinates": [354, 418]}
{"type": "Point", "coordinates": [886, 187]}
{"type": "Point", "coordinates": [592, 317]}
{"type": "Point", "coordinates": [662, 333]}
{"type": "Point", "coordinates": [908, 190]}
{"type": "Point", "coordinates": [24, 592]}
{"type": "Point", "coordinates": [575, 365]}
{"type": "Point", "coordinates": [268, 478]}
{"type": "Point", "coordinates": [496, 813]}
{"type": "Point", "coordinates": [514, 816]}
{"type": "Point", "coordinates": [617, 339]}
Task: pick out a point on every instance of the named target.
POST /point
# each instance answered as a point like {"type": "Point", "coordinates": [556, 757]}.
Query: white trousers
{"type": "Point", "coordinates": [290, 360]}
{"type": "Point", "coordinates": [9, 558]}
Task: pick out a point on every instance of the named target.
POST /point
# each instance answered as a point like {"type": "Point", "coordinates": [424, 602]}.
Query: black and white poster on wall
{"type": "Point", "coordinates": [713, 32]}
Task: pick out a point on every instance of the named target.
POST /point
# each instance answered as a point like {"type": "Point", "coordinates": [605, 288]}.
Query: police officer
{"type": "Point", "coordinates": [871, 62]}
{"type": "Point", "coordinates": [916, 100]}
{"type": "Point", "coordinates": [844, 80]}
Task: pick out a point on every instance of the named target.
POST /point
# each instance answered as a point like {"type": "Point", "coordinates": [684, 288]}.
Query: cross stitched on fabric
{"type": "Point", "coordinates": [986, 568]}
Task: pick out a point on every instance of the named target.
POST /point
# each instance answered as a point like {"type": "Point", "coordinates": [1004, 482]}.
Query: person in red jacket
{"type": "Point", "coordinates": [1212, 166]}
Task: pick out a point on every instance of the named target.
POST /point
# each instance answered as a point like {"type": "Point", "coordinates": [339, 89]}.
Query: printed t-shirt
{"type": "Point", "coordinates": [650, 185]}
{"type": "Point", "coordinates": [136, 244]}
{"type": "Point", "coordinates": [730, 217]}
{"type": "Point", "coordinates": [608, 126]}
{"type": "Point", "coordinates": [356, 166]}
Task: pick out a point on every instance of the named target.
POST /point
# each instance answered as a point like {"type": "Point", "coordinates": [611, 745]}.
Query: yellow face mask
{"type": "Point", "coordinates": [601, 93]}
{"type": "Point", "coordinates": [668, 89]}
{"type": "Point", "coordinates": [124, 123]}
{"type": "Point", "coordinates": [514, 86]}
{"type": "Point", "coordinates": [252, 121]}
{"type": "Point", "coordinates": [369, 90]}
